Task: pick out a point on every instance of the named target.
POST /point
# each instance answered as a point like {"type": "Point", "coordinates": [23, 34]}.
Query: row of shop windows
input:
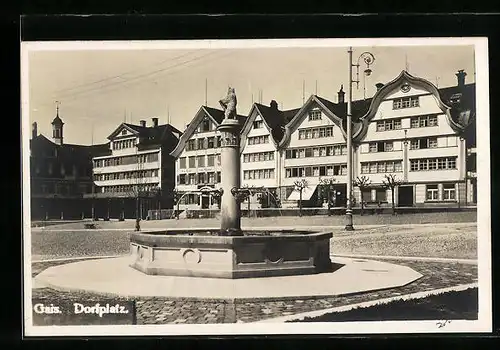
{"type": "Point", "coordinates": [130, 188]}
{"type": "Point", "coordinates": [62, 189]}
{"type": "Point", "coordinates": [433, 193]}
{"type": "Point", "coordinates": [126, 160]}
{"type": "Point", "coordinates": [322, 170]}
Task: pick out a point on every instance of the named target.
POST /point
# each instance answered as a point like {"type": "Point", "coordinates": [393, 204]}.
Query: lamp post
{"type": "Point", "coordinates": [368, 58]}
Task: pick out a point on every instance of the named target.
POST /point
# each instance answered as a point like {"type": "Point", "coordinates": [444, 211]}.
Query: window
{"type": "Point", "coordinates": [381, 195]}
{"type": "Point", "coordinates": [423, 143]}
{"type": "Point", "coordinates": [191, 145]}
{"type": "Point", "coordinates": [433, 164]}
{"type": "Point", "coordinates": [405, 102]}
{"type": "Point", "coordinates": [387, 125]}
{"type": "Point", "coordinates": [201, 161]}
{"type": "Point", "coordinates": [449, 192]}
{"type": "Point", "coordinates": [182, 179]}
{"type": "Point", "coordinates": [210, 160]}
{"type": "Point", "coordinates": [314, 115]}
{"type": "Point", "coordinates": [192, 162]}
{"type": "Point", "coordinates": [182, 163]}
{"type": "Point", "coordinates": [211, 142]}
{"type": "Point", "coordinates": [201, 143]}
{"type": "Point", "coordinates": [424, 121]}
{"type": "Point", "coordinates": [432, 192]}
{"type": "Point", "coordinates": [380, 147]}
{"type": "Point", "coordinates": [205, 125]}
{"type": "Point", "coordinates": [258, 124]}
{"type": "Point", "coordinates": [315, 133]}
{"type": "Point", "coordinates": [366, 195]}
{"type": "Point", "coordinates": [381, 167]}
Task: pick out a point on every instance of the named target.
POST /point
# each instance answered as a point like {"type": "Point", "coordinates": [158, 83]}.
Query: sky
{"type": "Point", "coordinates": [96, 90]}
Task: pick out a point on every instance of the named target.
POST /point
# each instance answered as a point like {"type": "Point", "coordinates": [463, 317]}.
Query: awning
{"type": "Point", "coordinates": [306, 193]}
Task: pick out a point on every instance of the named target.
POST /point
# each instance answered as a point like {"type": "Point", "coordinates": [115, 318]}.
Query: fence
{"type": "Point", "coordinates": [276, 212]}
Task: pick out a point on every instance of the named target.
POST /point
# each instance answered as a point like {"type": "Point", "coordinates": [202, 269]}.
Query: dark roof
{"type": "Point", "coordinates": [154, 134]}
{"type": "Point", "coordinates": [68, 150]}
{"type": "Point", "coordinates": [57, 121]}
{"type": "Point", "coordinates": [460, 99]}
{"type": "Point", "coordinates": [218, 115]}
{"type": "Point", "coordinates": [276, 119]}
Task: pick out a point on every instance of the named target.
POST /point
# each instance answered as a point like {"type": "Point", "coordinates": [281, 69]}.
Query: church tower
{"type": "Point", "coordinates": [57, 129]}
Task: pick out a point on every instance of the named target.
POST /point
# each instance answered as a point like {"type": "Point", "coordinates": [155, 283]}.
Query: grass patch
{"type": "Point", "coordinates": [461, 305]}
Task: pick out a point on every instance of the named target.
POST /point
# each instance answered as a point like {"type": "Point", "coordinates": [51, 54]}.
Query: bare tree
{"type": "Point", "coordinates": [137, 187]}
{"type": "Point", "coordinates": [300, 185]}
{"type": "Point", "coordinates": [390, 181]}
{"type": "Point", "coordinates": [327, 184]}
{"type": "Point", "coordinates": [363, 183]}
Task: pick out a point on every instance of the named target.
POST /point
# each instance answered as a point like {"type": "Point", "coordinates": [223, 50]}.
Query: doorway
{"type": "Point", "coordinates": [205, 201]}
{"type": "Point", "coordinates": [405, 196]}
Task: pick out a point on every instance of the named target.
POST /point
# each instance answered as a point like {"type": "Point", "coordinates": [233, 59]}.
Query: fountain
{"type": "Point", "coordinates": [230, 252]}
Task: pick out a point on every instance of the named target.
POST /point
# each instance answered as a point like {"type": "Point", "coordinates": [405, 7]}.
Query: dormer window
{"type": "Point", "coordinates": [405, 102]}
{"type": "Point", "coordinates": [258, 124]}
{"type": "Point", "coordinates": [455, 98]}
{"type": "Point", "coordinates": [315, 115]}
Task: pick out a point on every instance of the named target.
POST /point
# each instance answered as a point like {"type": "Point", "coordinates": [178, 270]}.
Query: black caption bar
{"type": "Point", "coordinates": [87, 312]}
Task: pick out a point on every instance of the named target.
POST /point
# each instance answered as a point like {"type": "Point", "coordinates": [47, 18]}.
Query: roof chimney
{"type": "Point", "coordinates": [461, 77]}
{"type": "Point", "coordinates": [143, 123]}
{"type": "Point", "coordinates": [274, 104]}
{"type": "Point", "coordinates": [34, 130]}
{"type": "Point", "coordinates": [379, 86]}
{"type": "Point", "coordinates": [155, 122]}
{"type": "Point", "coordinates": [341, 94]}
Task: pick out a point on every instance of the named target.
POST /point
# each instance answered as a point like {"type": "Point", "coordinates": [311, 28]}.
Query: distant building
{"type": "Point", "coordinates": [197, 157]}
{"type": "Point", "coordinates": [138, 172]}
{"type": "Point", "coordinates": [260, 138]}
{"type": "Point", "coordinates": [418, 132]}
{"type": "Point", "coordinates": [60, 175]}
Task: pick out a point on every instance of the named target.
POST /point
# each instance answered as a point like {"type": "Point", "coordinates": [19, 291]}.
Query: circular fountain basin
{"type": "Point", "coordinates": [204, 253]}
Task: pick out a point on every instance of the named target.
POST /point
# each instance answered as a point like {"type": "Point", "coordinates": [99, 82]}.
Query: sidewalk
{"type": "Point", "coordinates": [285, 222]}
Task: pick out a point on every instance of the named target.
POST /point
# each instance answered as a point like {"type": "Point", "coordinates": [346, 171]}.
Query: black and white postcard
{"type": "Point", "coordinates": [312, 186]}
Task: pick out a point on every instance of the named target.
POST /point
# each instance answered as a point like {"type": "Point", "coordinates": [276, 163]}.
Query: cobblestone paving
{"type": "Point", "coordinates": [162, 311]}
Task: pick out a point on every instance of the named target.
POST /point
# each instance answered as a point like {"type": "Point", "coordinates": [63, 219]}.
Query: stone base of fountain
{"type": "Point", "coordinates": [202, 253]}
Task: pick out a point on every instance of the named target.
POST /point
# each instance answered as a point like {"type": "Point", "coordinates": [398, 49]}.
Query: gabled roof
{"type": "Point", "coordinates": [216, 115]}
{"type": "Point", "coordinates": [149, 135]}
{"type": "Point", "coordinates": [442, 97]}
{"type": "Point", "coordinates": [71, 151]}
{"type": "Point", "coordinates": [335, 111]}
{"type": "Point", "coordinates": [274, 120]}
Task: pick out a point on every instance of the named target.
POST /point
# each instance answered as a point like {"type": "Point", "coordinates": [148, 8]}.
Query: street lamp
{"type": "Point", "coordinates": [368, 58]}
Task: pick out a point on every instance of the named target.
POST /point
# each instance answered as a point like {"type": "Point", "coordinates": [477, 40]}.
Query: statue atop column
{"type": "Point", "coordinates": [228, 104]}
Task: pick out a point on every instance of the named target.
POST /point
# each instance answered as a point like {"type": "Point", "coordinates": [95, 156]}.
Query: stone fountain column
{"type": "Point", "coordinates": [230, 177]}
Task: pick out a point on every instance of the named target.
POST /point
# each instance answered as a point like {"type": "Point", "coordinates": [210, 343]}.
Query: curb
{"type": "Point", "coordinates": [409, 258]}
{"type": "Point", "coordinates": [412, 296]}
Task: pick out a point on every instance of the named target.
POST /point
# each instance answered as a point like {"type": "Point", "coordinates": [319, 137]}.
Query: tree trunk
{"type": "Point", "coordinates": [300, 203]}
{"type": "Point", "coordinates": [329, 201]}
{"type": "Point", "coordinates": [248, 206]}
{"type": "Point", "coordinates": [362, 203]}
{"type": "Point", "coordinates": [137, 214]}
{"type": "Point", "coordinates": [392, 200]}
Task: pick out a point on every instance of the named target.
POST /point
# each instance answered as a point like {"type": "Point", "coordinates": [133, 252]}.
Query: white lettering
{"type": "Point", "coordinates": [99, 310]}
{"type": "Point", "coordinates": [43, 309]}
